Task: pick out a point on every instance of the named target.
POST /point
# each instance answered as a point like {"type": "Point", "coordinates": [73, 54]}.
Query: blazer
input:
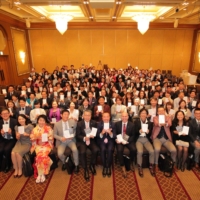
{"type": "Point", "coordinates": [58, 130]}
{"type": "Point", "coordinates": [49, 102]}
{"type": "Point", "coordinates": [194, 131]}
{"type": "Point", "coordinates": [156, 127]}
{"type": "Point", "coordinates": [9, 96]}
{"type": "Point", "coordinates": [129, 130]}
{"type": "Point", "coordinates": [137, 127]}
{"type": "Point", "coordinates": [100, 128]}
{"type": "Point", "coordinates": [12, 124]}
{"type": "Point", "coordinates": [80, 133]}
{"type": "Point", "coordinates": [27, 111]}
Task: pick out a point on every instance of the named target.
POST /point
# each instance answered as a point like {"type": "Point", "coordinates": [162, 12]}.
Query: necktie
{"type": "Point", "coordinates": [124, 129]}
{"type": "Point", "coordinates": [88, 141]}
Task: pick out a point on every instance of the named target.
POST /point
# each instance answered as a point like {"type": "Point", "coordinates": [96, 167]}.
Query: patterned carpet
{"type": "Point", "coordinates": [59, 185]}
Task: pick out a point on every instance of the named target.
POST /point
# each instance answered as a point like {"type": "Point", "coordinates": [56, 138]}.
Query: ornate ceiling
{"type": "Point", "coordinates": [38, 11]}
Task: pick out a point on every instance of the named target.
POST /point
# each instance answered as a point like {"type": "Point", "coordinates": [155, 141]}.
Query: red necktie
{"type": "Point", "coordinates": [124, 129]}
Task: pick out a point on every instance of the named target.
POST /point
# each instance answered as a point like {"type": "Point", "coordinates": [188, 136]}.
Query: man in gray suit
{"type": "Point", "coordinates": [64, 133]}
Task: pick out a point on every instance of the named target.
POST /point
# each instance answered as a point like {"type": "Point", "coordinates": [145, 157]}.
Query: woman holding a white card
{"type": "Point", "coordinates": [12, 108]}
{"type": "Point", "coordinates": [100, 109]}
{"type": "Point", "coordinates": [73, 113]}
{"type": "Point", "coordinates": [23, 144]}
{"type": "Point", "coordinates": [42, 144]}
{"type": "Point", "coordinates": [143, 130]}
{"type": "Point", "coordinates": [183, 107]}
{"type": "Point", "coordinates": [181, 138]}
{"type": "Point", "coordinates": [38, 94]}
{"type": "Point", "coordinates": [54, 113]}
{"type": "Point", "coordinates": [117, 109]}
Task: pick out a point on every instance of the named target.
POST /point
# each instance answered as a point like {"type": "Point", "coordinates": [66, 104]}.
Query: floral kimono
{"type": "Point", "coordinates": [42, 144]}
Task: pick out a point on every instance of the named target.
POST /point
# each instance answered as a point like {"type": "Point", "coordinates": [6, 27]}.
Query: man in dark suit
{"type": "Point", "coordinates": [120, 76]}
{"type": "Point", "coordinates": [195, 135]}
{"type": "Point", "coordinates": [45, 102]}
{"type": "Point", "coordinates": [62, 74]}
{"type": "Point", "coordinates": [85, 139]}
{"type": "Point", "coordinates": [7, 138]}
{"type": "Point", "coordinates": [23, 109]}
{"type": "Point", "coordinates": [125, 129]}
{"type": "Point", "coordinates": [106, 139]}
{"type": "Point", "coordinates": [10, 92]}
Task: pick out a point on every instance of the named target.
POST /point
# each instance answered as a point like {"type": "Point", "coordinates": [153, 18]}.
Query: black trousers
{"type": "Point", "coordinates": [94, 152]}
{"type": "Point", "coordinates": [6, 147]}
{"type": "Point", "coordinates": [120, 152]}
{"type": "Point", "coordinates": [107, 152]}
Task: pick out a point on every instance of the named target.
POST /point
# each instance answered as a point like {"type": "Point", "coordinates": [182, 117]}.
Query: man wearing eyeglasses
{"type": "Point", "coordinates": [7, 138]}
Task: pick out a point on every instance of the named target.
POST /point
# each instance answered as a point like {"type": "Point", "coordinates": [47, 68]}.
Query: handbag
{"type": "Point", "coordinates": [69, 164]}
{"type": "Point", "coordinates": [27, 168]}
{"type": "Point", "coordinates": [182, 143]}
{"type": "Point", "coordinates": [166, 164]}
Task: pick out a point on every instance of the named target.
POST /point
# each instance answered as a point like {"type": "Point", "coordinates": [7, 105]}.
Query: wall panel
{"type": "Point", "coordinates": [159, 48]}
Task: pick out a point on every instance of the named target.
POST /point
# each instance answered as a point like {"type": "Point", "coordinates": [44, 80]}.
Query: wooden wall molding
{"type": "Point", "coordinates": [12, 21]}
{"type": "Point", "coordinates": [112, 25]}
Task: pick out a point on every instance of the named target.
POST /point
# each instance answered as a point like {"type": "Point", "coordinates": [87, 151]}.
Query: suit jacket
{"type": "Point", "coordinates": [9, 97]}
{"type": "Point", "coordinates": [129, 130]}
{"type": "Point", "coordinates": [49, 102]}
{"type": "Point", "coordinates": [137, 127]}
{"type": "Point", "coordinates": [80, 133]}
{"type": "Point", "coordinates": [156, 127]}
{"type": "Point", "coordinates": [12, 124]}
{"type": "Point", "coordinates": [27, 111]}
{"type": "Point", "coordinates": [194, 131]}
{"type": "Point", "coordinates": [58, 130]}
{"type": "Point", "coordinates": [100, 128]}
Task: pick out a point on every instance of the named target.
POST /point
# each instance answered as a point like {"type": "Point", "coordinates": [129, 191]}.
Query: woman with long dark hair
{"type": "Point", "coordinates": [23, 144]}
{"type": "Point", "coordinates": [181, 139]}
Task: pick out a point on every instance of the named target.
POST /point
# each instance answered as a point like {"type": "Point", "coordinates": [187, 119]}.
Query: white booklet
{"type": "Point", "coordinates": [120, 139]}
{"type": "Point", "coordinates": [106, 126]}
{"type": "Point", "coordinates": [44, 137]}
{"type": "Point", "coordinates": [21, 129]}
{"type": "Point", "coordinates": [5, 127]}
{"type": "Point", "coordinates": [44, 101]}
{"type": "Point", "coordinates": [145, 128]}
{"type": "Point", "coordinates": [93, 132]}
{"type": "Point", "coordinates": [129, 104]}
{"type": "Point", "coordinates": [185, 130]}
{"type": "Point", "coordinates": [99, 108]}
{"type": "Point", "coordinates": [161, 119]}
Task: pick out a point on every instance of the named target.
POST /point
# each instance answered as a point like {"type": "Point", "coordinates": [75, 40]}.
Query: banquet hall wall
{"type": "Point", "coordinates": [166, 49]}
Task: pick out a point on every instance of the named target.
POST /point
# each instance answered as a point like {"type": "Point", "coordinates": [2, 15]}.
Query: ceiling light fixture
{"type": "Point", "coordinates": [143, 21]}
{"type": "Point", "coordinates": [61, 20]}
{"type": "Point", "coordinates": [185, 3]}
{"type": "Point", "coordinates": [118, 2]}
{"type": "Point", "coordinates": [17, 3]}
{"type": "Point", "coordinates": [85, 2]}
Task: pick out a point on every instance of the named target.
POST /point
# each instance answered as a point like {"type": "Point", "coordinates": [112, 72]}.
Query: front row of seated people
{"type": "Point", "coordinates": [19, 137]}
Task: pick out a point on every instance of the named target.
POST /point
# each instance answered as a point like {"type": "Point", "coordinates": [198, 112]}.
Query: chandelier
{"type": "Point", "coordinates": [143, 21]}
{"type": "Point", "coordinates": [61, 20]}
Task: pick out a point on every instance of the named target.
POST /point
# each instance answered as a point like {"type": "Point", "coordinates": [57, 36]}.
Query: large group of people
{"type": "Point", "coordinates": [99, 110]}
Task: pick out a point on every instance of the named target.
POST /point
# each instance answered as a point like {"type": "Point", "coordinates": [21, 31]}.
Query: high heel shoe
{"type": "Point", "coordinates": [15, 176]}
{"type": "Point", "coordinates": [19, 176]}
{"type": "Point", "coordinates": [183, 167]}
{"type": "Point", "coordinates": [124, 172]}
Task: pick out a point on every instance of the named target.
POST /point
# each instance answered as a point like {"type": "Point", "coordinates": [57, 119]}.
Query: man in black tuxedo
{"type": "Point", "coordinates": [23, 109]}
{"type": "Point", "coordinates": [45, 102]}
{"type": "Point", "coordinates": [85, 139]}
{"type": "Point", "coordinates": [194, 134]}
{"type": "Point", "coordinates": [125, 129]}
{"type": "Point", "coordinates": [120, 76]}
{"type": "Point", "coordinates": [106, 135]}
{"type": "Point", "coordinates": [7, 137]}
